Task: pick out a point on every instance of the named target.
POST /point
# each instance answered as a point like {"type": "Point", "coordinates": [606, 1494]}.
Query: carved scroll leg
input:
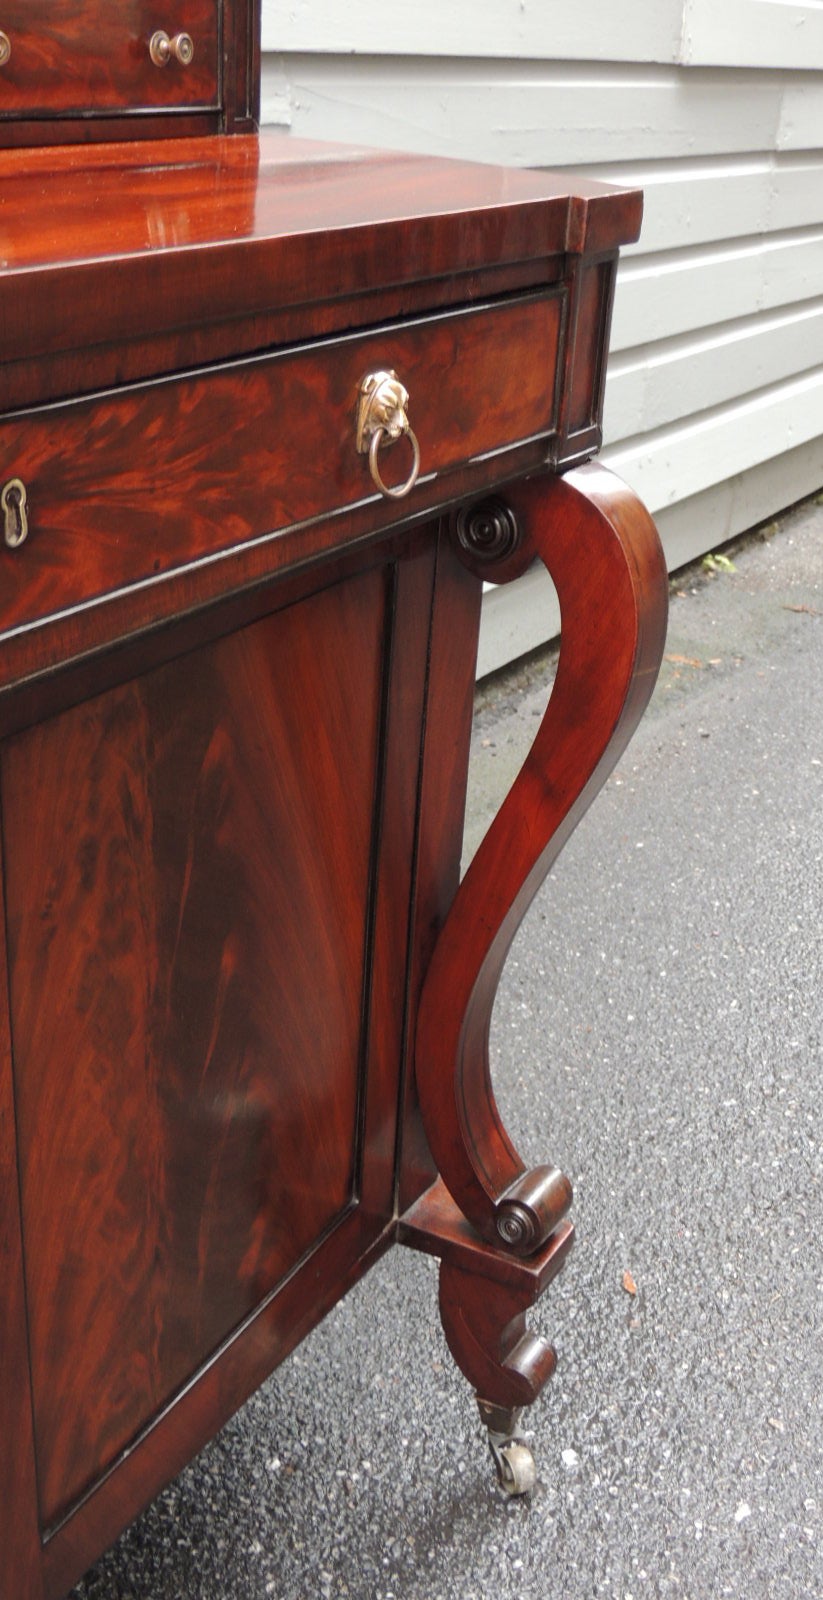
{"type": "Point", "coordinates": [602, 550]}
{"type": "Point", "coordinates": [601, 547]}
{"type": "Point", "coordinates": [484, 1296]}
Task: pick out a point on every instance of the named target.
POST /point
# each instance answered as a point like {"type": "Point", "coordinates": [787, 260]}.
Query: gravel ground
{"type": "Point", "coordinates": [658, 1034]}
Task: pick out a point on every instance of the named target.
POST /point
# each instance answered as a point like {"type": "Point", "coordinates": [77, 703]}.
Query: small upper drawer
{"type": "Point", "coordinates": [66, 57]}
{"type": "Point", "coordinates": [126, 486]}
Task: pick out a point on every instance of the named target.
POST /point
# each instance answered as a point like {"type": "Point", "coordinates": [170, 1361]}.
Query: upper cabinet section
{"type": "Point", "coordinates": [89, 69]}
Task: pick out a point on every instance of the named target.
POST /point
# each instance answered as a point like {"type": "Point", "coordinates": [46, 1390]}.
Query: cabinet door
{"type": "Point", "coordinates": [189, 865]}
{"type": "Point", "coordinates": [95, 56]}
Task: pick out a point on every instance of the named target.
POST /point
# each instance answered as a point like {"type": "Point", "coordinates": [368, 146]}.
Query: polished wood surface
{"type": "Point", "coordinates": [181, 903]}
{"type": "Point", "coordinates": [82, 72]}
{"type": "Point", "coordinates": [21, 1566]}
{"type": "Point", "coordinates": [181, 221]}
{"type": "Point", "coordinates": [602, 550]}
{"type": "Point", "coordinates": [485, 1295]}
{"type": "Point", "coordinates": [242, 1033]}
{"type": "Point", "coordinates": [273, 188]}
{"type": "Point", "coordinates": [90, 56]}
{"type": "Point", "coordinates": [104, 475]}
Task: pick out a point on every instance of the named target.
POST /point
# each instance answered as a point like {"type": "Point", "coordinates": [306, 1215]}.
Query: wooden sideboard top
{"type": "Point", "coordinates": [140, 244]}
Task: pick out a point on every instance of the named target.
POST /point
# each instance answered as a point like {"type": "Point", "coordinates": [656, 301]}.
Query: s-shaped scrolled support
{"type": "Point", "coordinates": [602, 550]}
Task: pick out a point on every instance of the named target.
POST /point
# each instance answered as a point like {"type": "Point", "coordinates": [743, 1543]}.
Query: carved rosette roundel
{"type": "Point", "coordinates": [487, 532]}
{"type": "Point", "coordinates": [515, 1226]}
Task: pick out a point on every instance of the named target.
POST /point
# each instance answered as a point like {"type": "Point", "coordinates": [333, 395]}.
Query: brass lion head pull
{"type": "Point", "coordinates": [382, 419]}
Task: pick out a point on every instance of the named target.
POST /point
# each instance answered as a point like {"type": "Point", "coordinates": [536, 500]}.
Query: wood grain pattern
{"type": "Point", "coordinates": [93, 57]}
{"type": "Point", "coordinates": [19, 1531]}
{"type": "Point", "coordinates": [387, 1023]}
{"type": "Point", "coordinates": [455, 620]}
{"type": "Point", "coordinates": [185, 221]}
{"type": "Point", "coordinates": [602, 550]}
{"type": "Point", "coordinates": [204, 1107]}
{"type": "Point", "coordinates": [269, 443]}
{"type": "Point", "coordinates": [236, 691]}
{"type": "Point", "coordinates": [75, 637]}
{"type": "Point", "coordinates": [241, 65]}
{"type": "Point", "coordinates": [194, 1416]}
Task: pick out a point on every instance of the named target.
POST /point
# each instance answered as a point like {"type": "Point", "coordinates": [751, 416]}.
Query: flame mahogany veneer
{"type": "Point", "coordinates": [244, 1044]}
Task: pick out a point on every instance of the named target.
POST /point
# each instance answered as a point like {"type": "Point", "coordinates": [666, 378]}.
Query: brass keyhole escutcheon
{"type": "Point", "coordinates": [15, 516]}
{"type": "Point", "coordinates": [162, 49]}
{"type": "Point", "coordinates": [5, 48]}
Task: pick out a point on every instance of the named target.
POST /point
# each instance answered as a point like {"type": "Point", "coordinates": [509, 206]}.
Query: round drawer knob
{"type": "Point", "coordinates": [162, 48]}
{"type": "Point", "coordinates": [5, 48]}
{"type": "Point", "coordinates": [382, 420]}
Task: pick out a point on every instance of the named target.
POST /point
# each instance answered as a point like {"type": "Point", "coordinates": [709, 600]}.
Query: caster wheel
{"type": "Point", "coordinates": [516, 1468]}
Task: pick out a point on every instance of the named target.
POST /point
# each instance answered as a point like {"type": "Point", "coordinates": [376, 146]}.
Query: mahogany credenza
{"type": "Point", "coordinates": [271, 414]}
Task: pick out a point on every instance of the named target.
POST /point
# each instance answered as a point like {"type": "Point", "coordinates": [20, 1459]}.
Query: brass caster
{"type": "Point", "coordinates": [515, 1466]}
{"type": "Point", "coordinates": [512, 1457]}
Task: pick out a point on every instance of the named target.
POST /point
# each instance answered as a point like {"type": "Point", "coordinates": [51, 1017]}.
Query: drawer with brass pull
{"type": "Point", "coordinates": [129, 486]}
{"type": "Point", "coordinates": [94, 58]}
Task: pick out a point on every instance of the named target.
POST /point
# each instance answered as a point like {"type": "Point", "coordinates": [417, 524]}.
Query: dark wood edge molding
{"type": "Point", "coordinates": [104, 128]}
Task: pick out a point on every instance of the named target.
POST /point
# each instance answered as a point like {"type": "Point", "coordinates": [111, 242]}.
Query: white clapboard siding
{"type": "Point", "coordinates": [673, 462]}
{"type": "Point", "coordinates": [753, 33]}
{"type": "Point", "coordinates": [745, 33]}
{"type": "Point", "coordinates": [714, 398]}
{"type": "Point", "coordinates": [537, 115]}
{"type": "Point", "coordinates": [635, 30]}
{"type": "Point", "coordinates": [658, 384]}
{"type": "Point", "coordinates": [661, 295]}
{"type": "Point", "coordinates": [800, 114]}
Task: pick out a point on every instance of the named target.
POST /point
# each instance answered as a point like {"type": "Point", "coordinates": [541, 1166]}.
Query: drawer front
{"type": "Point", "coordinates": [67, 56]}
{"type": "Point", "coordinates": [127, 487]}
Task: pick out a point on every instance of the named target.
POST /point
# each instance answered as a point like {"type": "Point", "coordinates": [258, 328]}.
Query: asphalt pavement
{"type": "Point", "coordinates": [658, 1034]}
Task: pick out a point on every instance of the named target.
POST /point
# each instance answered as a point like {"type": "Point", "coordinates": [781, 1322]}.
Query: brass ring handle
{"type": "Point", "coordinates": [162, 48]}
{"type": "Point", "coordinates": [5, 48]}
{"type": "Point", "coordinates": [402, 489]}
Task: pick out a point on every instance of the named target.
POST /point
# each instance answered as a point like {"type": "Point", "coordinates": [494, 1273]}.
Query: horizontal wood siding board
{"type": "Point", "coordinates": [753, 33]}
{"type": "Point", "coordinates": [658, 384]}
{"type": "Point", "coordinates": [672, 463]}
{"type": "Point", "coordinates": [706, 521]}
{"type": "Point", "coordinates": [632, 31]}
{"type": "Point", "coordinates": [546, 113]}
{"type": "Point", "coordinates": [800, 113]}
{"type": "Point", "coordinates": [660, 297]}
